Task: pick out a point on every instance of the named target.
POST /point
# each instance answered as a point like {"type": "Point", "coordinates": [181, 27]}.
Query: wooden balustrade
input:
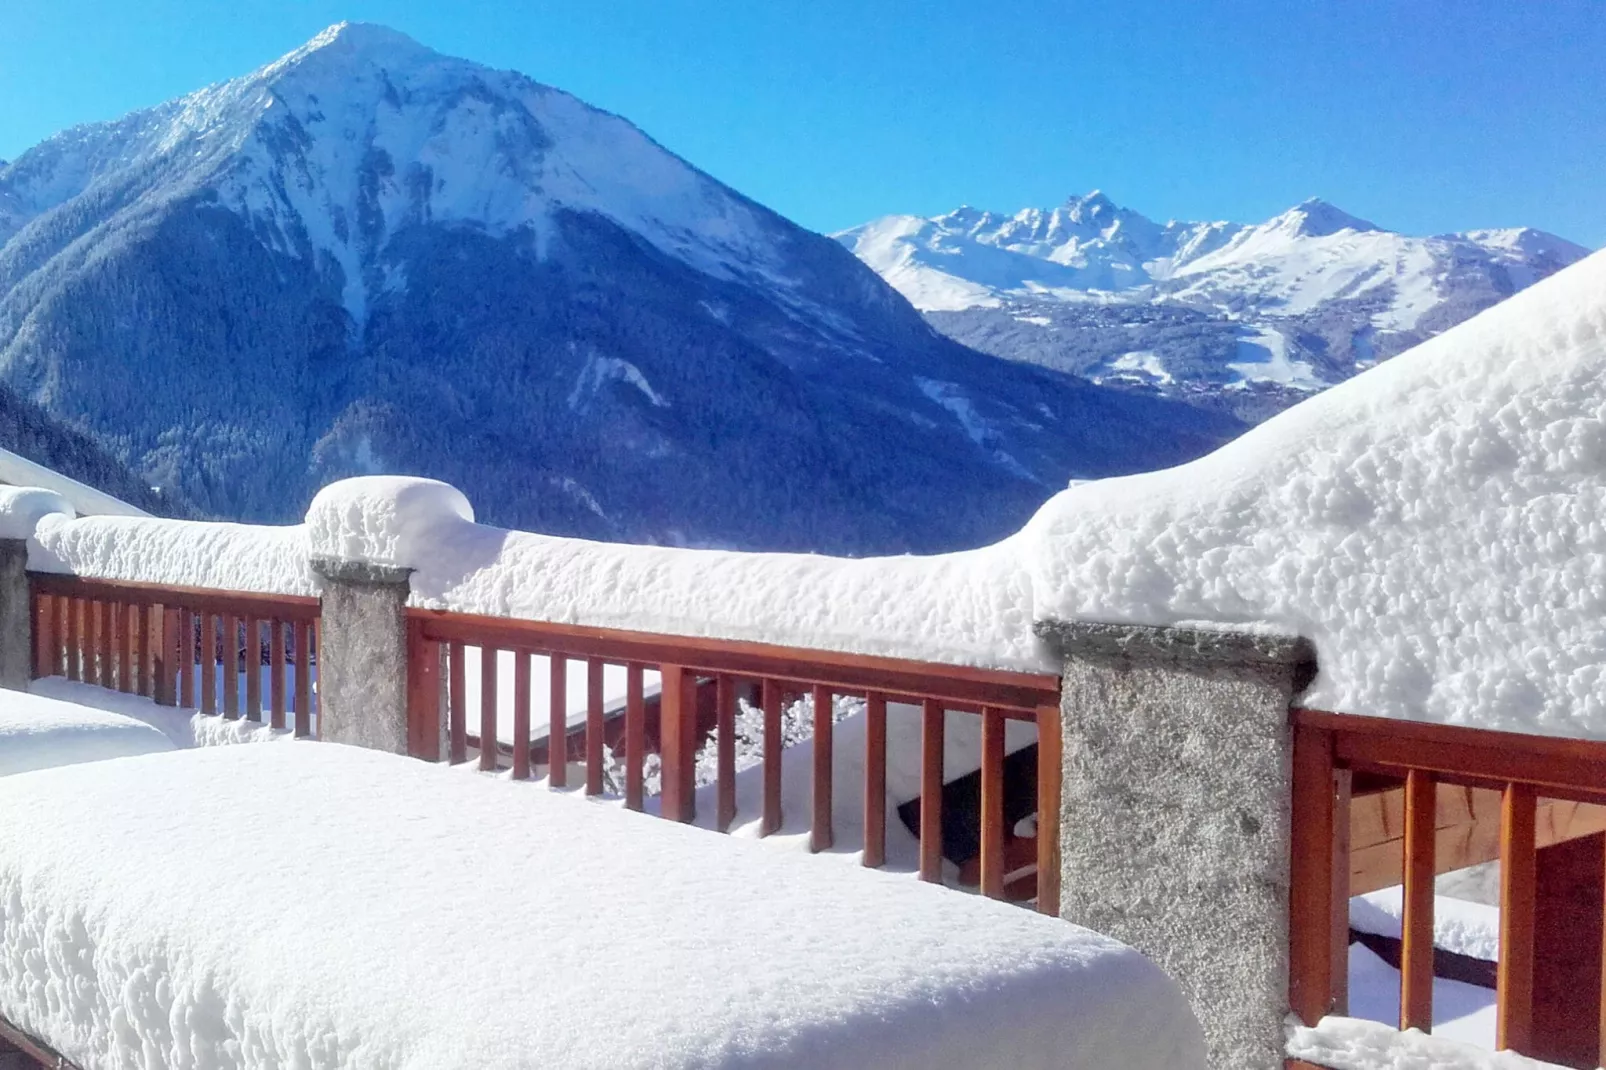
{"type": "Point", "coordinates": [1440, 798]}
{"type": "Point", "coordinates": [180, 646]}
{"type": "Point", "coordinates": [699, 685]}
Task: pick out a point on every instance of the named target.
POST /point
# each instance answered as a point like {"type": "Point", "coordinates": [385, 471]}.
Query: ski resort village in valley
{"type": "Point", "coordinates": [478, 590]}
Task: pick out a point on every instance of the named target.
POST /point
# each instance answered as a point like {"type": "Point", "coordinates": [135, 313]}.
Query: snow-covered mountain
{"type": "Point", "coordinates": [1250, 317]}
{"type": "Point", "coordinates": [368, 256]}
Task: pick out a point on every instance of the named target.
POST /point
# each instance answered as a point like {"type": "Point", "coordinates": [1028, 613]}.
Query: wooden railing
{"type": "Point", "coordinates": [700, 681]}
{"type": "Point", "coordinates": [199, 649]}
{"type": "Point", "coordinates": [1464, 796]}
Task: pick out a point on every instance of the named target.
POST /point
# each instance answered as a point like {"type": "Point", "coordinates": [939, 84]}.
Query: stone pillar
{"type": "Point", "coordinates": [362, 657]}
{"type": "Point", "coordinates": [1175, 819]}
{"type": "Point", "coordinates": [16, 616]}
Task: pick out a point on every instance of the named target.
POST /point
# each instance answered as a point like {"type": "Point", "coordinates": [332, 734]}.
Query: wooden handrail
{"type": "Point", "coordinates": [287, 607]}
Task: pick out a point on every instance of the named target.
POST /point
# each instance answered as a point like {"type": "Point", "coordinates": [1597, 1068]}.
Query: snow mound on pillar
{"type": "Point", "coordinates": [385, 520]}
{"type": "Point", "coordinates": [1437, 526]}
{"type": "Point", "coordinates": [22, 508]}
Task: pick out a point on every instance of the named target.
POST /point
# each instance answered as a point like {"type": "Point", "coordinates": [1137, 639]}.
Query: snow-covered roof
{"type": "Point", "coordinates": [384, 912]}
{"type": "Point", "coordinates": [18, 471]}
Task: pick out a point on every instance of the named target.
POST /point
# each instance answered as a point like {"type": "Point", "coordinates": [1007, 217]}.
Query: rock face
{"type": "Point", "coordinates": [1246, 318]}
{"type": "Point", "coordinates": [370, 257]}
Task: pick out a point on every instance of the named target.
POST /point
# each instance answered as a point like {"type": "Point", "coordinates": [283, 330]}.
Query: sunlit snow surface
{"type": "Point", "coordinates": [319, 906]}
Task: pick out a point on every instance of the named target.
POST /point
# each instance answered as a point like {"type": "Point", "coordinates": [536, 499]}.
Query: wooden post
{"type": "Point", "coordinates": [488, 728]}
{"type": "Point", "coordinates": [423, 693]}
{"type": "Point", "coordinates": [1049, 788]}
{"type": "Point", "coordinates": [992, 802]}
{"type": "Point", "coordinates": [635, 735]}
{"type": "Point", "coordinates": [725, 733]}
{"type": "Point", "coordinates": [1416, 945]}
{"type": "Point", "coordinates": [1515, 973]}
{"type": "Point", "coordinates": [933, 728]}
{"type": "Point", "coordinates": [457, 703]}
{"type": "Point", "coordinates": [557, 732]}
{"type": "Point", "coordinates": [821, 833]}
{"type": "Point", "coordinates": [594, 726]}
{"type": "Point", "coordinates": [521, 715]}
{"type": "Point", "coordinates": [875, 779]}
{"type": "Point", "coordinates": [772, 758]}
{"type": "Point", "coordinates": [1312, 907]}
{"type": "Point", "coordinates": [677, 727]}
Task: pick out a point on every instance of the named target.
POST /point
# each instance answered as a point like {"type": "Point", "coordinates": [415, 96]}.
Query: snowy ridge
{"type": "Point", "coordinates": [1093, 281]}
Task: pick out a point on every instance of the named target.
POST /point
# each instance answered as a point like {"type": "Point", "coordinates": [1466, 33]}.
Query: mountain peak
{"type": "Point", "coordinates": [1316, 218]}
{"type": "Point", "coordinates": [361, 41]}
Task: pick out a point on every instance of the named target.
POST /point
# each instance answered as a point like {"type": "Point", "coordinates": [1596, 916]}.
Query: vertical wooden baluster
{"type": "Point", "coordinates": [992, 802]}
{"type": "Point", "coordinates": [822, 834]}
{"type": "Point", "coordinates": [75, 639]}
{"type": "Point", "coordinates": [557, 731]}
{"type": "Point", "coordinates": [276, 660]}
{"type": "Point", "coordinates": [1416, 944]}
{"type": "Point", "coordinates": [44, 634]}
{"type": "Point", "coordinates": [96, 672]}
{"type": "Point", "coordinates": [303, 696]}
{"type": "Point", "coordinates": [1049, 785]}
{"type": "Point", "coordinates": [209, 662]}
{"type": "Point", "coordinates": [771, 821]}
{"type": "Point", "coordinates": [594, 726]}
{"type": "Point", "coordinates": [107, 676]}
{"type": "Point", "coordinates": [62, 614]}
{"type": "Point", "coordinates": [229, 651]}
{"type": "Point", "coordinates": [156, 621]}
{"type": "Point", "coordinates": [127, 627]}
{"type": "Point", "coordinates": [521, 715]}
{"type": "Point", "coordinates": [635, 734]}
{"type": "Point", "coordinates": [932, 741]}
{"type": "Point", "coordinates": [725, 752]}
{"type": "Point", "coordinates": [1600, 1058]}
{"type": "Point", "coordinates": [1312, 911]}
{"type": "Point", "coordinates": [1514, 974]}
{"type": "Point", "coordinates": [456, 704]}
{"type": "Point", "coordinates": [252, 657]}
{"type": "Point", "coordinates": [488, 732]}
{"type": "Point", "coordinates": [116, 616]}
{"type": "Point", "coordinates": [875, 779]}
{"type": "Point", "coordinates": [142, 651]}
{"type": "Point", "coordinates": [171, 645]}
{"type": "Point", "coordinates": [677, 738]}
{"type": "Point", "coordinates": [423, 694]}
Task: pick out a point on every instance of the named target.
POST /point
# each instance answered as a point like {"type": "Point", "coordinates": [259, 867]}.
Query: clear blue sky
{"type": "Point", "coordinates": [1423, 115]}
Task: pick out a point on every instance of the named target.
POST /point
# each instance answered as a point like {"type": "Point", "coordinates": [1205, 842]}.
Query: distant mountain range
{"type": "Point", "coordinates": [1248, 318]}
{"type": "Point", "coordinates": [367, 256]}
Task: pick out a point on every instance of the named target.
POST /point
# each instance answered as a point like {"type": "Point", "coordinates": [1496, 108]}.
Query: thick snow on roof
{"type": "Point", "coordinates": [38, 732]}
{"type": "Point", "coordinates": [21, 509]}
{"type": "Point", "coordinates": [21, 472]}
{"type": "Point", "coordinates": [430, 917]}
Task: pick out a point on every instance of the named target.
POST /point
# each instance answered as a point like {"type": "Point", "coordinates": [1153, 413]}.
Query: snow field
{"type": "Point", "coordinates": [37, 732]}
{"type": "Point", "coordinates": [655, 945]}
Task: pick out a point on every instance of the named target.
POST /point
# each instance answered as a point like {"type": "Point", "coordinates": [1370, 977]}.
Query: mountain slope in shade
{"type": "Point", "coordinates": [371, 257]}
{"type": "Point", "coordinates": [1246, 317]}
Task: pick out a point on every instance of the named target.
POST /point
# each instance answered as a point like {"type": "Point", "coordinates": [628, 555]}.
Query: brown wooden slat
{"type": "Point", "coordinates": [635, 735]}
{"type": "Point", "coordinates": [143, 650]}
{"type": "Point", "coordinates": [302, 634]}
{"type": "Point", "coordinates": [209, 660]}
{"type": "Point", "coordinates": [677, 720]}
{"type": "Point", "coordinates": [129, 627]}
{"type": "Point", "coordinates": [488, 737]}
{"type": "Point", "coordinates": [1049, 787]}
{"type": "Point", "coordinates": [44, 636]}
{"type": "Point", "coordinates": [992, 803]}
{"type": "Point", "coordinates": [875, 779]}
{"type": "Point", "coordinates": [457, 704]}
{"type": "Point", "coordinates": [1515, 972]}
{"type": "Point", "coordinates": [276, 661]}
{"type": "Point", "coordinates": [63, 612]}
{"type": "Point", "coordinates": [1601, 1006]}
{"type": "Point", "coordinates": [75, 639]}
{"type": "Point", "coordinates": [772, 698]}
{"type": "Point", "coordinates": [253, 669]}
{"type": "Point", "coordinates": [594, 726]}
{"type": "Point", "coordinates": [99, 644]}
{"type": "Point", "coordinates": [296, 607]}
{"type": "Point", "coordinates": [1313, 913]}
{"type": "Point", "coordinates": [229, 655]}
{"type": "Point", "coordinates": [117, 629]}
{"type": "Point", "coordinates": [821, 833]}
{"type": "Point", "coordinates": [557, 732]}
{"type": "Point", "coordinates": [933, 729]}
{"type": "Point", "coordinates": [521, 715]}
{"type": "Point", "coordinates": [185, 682]}
{"type": "Point", "coordinates": [1339, 896]}
{"type": "Point", "coordinates": [1416, 942]}
{"type": "Point", "coordinates": [169, 645]}
{"type": "Point", "coordinates": [423, 695]}
{"type": "Point", "coordinates": [725, 755]}
{"type": "Point", "coordinates": [845, 673]}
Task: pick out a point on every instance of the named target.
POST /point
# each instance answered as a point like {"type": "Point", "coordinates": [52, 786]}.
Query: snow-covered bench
{"type": "Point", "coordinates": [314, 905]}
{"type": "Point", "coordinates": [38, 732]}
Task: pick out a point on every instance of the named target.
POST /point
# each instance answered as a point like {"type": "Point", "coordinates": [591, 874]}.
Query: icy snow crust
{"type": "Point", "coordinates": [653, 946]}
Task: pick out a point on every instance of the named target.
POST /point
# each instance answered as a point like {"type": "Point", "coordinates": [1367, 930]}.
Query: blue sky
{"type": "Point", "coordinates": [1422, 115]}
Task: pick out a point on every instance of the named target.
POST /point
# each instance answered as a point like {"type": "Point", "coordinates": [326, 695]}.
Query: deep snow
{"type": "Point", "coordinates": [533, 925]}
{"type": "Point", "coordinates": [37, 732]}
